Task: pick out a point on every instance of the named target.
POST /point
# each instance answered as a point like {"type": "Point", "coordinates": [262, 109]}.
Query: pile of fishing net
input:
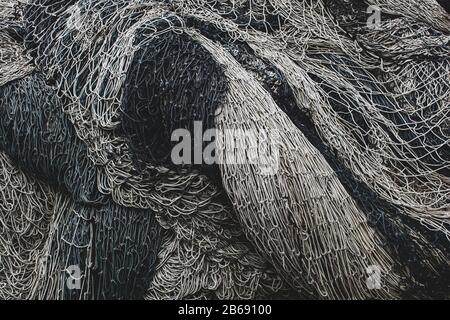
{"type": "Point", "coordinates": [351, 199]}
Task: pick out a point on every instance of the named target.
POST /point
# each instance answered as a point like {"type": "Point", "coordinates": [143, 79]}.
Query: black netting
{"type": "Point", "coordinates": [115, 247]}
{"type": "Point", "coordinates": [358, 115]}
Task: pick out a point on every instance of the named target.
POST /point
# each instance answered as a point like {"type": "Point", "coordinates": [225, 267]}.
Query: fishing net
{"type": "Point", "coordinates": [106, 241]}
{"type": "Point", "coordinates": [227, 267]}
{"type": "Point", "coordinates": [357, 118]}
{"type": "Point", "coordinates": [25, 214]}
{"type": "Point", "coordinates": [110, 251]}
{"type": "Point", "coordinates": [115, 247]}
{"type": "Point", "coordinates": [397, 124]}
{"type": "Point", "coordinates": [430, 12]}
{"type": "Point", "coordinates": [13, 61]}
{"type": "Point", "coordinates": [26, 205]}
{"type": "Point", "coordinates": [206, 256]}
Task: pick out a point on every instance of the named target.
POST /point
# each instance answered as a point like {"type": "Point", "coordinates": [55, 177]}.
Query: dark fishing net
{"type": "Point", "coordinates": [104, 107]}
{"type": "Point", "coordinates": [361, 177]}
{"type": "Point", "coordinates": [106, 241]}
{"type": "Point", "coordinates": [115, 247]}
{"type": "Point", "coordinates": [187, 204]}
{"type": "Point", "coordinates": [26, 205]}
{"type": "Point", "coordinates": [13, 61]}
{"type": "Point", "coordinates": [109, 252]}
{"type": "Point", "coordinates": [172, 83]}
{"type": "Point", "coordinates": [40, 138]}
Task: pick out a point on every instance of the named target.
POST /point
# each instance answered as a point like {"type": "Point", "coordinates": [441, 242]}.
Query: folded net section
{"type": "Point", "coordinates": [367, 100]}
{"type": "Point", "coordinates": [25, 215]}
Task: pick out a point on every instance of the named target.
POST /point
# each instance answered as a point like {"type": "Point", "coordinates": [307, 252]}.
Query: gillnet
{"type": "Point", "coordinates": [360, 116]}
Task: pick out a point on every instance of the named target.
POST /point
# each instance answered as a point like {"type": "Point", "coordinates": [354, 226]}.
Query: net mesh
{"type": "Point", "coordinates": [361, 118]}
{"type": "Point", "coordinates": [25, 215]}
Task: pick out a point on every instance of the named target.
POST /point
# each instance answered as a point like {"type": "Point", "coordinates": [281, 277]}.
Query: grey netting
{"type": "Point", "coordinates": [25, 214]}
{"type": "Point", "coordinates": [115, 247]}
{"type": "Point", "coordinates": [201, 212]}
{"type": "Point", "coordinates": [312, 222]}
{"type": "Point", "coordinates": [204, 255]}
{"type": "Point", "coordinates": [359, 119]}
{"type": "Point", "coordinates": [25, 205]}
{"type": "Point", "coordinates": [13, 61]}
{"type": "Point", "coordinates": [429, 11]}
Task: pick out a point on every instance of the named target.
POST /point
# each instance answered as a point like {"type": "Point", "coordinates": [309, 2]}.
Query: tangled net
{"type": "Point", "coordinates": [361, 123]}
{"type": "Point", "coordinates": [26, 211]}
